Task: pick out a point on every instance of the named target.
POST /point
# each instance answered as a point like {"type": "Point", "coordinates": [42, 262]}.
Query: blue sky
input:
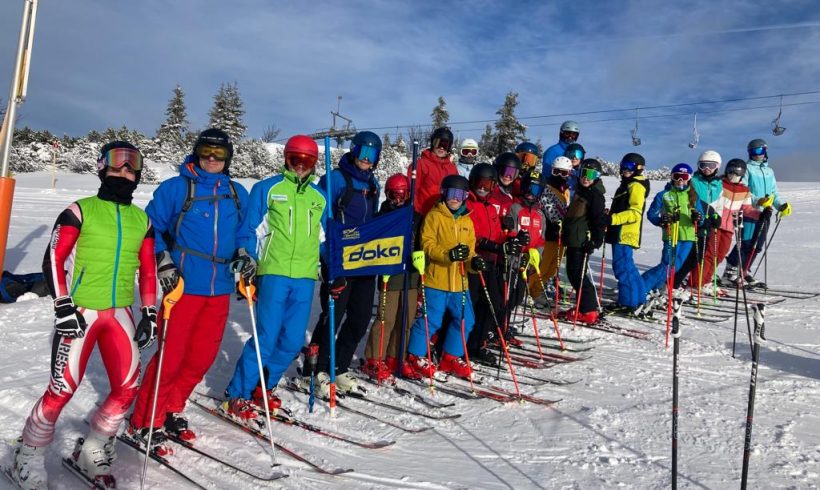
{"type": "Point", "coordinates": [99, 64]}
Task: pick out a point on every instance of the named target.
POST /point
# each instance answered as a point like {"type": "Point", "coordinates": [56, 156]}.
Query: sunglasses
{"type": "Point", "coordinates": [399, 195]}
{"type": "Point", "coordinates": [469, 152]}
{"type": "Point", "coordinates": [509, 172]}
{"type": "Point", "coordinates": [455, 194]}
{"type": "Point", "coordinates": [681, 176]}
{"type": "Point", "coordinates": [569, 135]}
{"type": "Point", "coordinates": [760, 150]}
{"type": "Point", "coordinates": [207, 151]}
{"type": "Point", "coordinates": [442, 143]}
{"type": "Point", "coordinates": [590, 173]}
{"type": "Point", "coordinates": [708, 165]}
{"type": "Point", "coordinates": [560, 172]}
{"type": "Point", "coordinates": [300, 160]}
{"type": "Point", "coordinates": [369, 153]}
{"type": "Point", "coordinates": [117, 157]}
{"type": "Point", "coordinates": [528, 159]}
{"type": "Point", "coordinates": [629, 166]}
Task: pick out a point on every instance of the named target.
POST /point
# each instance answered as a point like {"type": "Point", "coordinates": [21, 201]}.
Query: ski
{"type": "Point", "coordinates": [463, 383]}
{"type": "Point", "coordinates": [397, 425]}
{"type": "Point", "coordinates": [317, 464]}
{"type": "Point", "coordinates": [72, 467]}
{"type": "Point", "coordinates": [490, 370]}
{"type": "Point", "coordinates": [157, 458]}
{"type": "Point", "coordinates": [465, 394]}
{"type": "Point", "coordinates": [566, 340]}
{"type": "Point", "coordinates": [556, 358]}
{"type": "Point", "coordinates": [529, 346]}
{"type": "Point", "coordinates": [190, 446]}
{"type": "Point", "coordinates": [415, 396]}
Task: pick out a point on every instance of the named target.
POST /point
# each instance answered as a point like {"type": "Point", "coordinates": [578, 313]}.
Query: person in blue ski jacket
{"type": "Point", "coordinates": [354, 196]}
{"type": "Point", "coordinates": [196, 216]}
{"type": "Point", "coordinates": [766, 198]}
{"type": "Point", "coordinates": [568, 134]}
{"type": "Point", "coordinates": [282, 232]}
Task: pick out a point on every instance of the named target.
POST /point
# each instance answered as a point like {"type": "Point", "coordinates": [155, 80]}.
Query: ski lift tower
{"type": "Point", "coordinates": [338, 134]}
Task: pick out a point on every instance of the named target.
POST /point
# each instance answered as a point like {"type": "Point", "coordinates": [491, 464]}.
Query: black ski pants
{"type": "Point", "coordinates": [578, 276]}
{"type": "Point", "coordinates": [484, 323]}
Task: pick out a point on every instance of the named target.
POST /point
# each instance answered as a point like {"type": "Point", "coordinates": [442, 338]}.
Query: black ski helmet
{"type": "Point", "coordinates": [756, 143]}
{"type": "Point", "coordinates": [441, 134]}
{"type": "Point", "coordinates": [635, 158]}
{"type": "Point", "coordinates": [482, 171]}
{"type": "Point", "coordinates": [530, 178]}
{"type": "Point", "coordinates": [506, 159]}
{"type": "Point", "coordinates": [572, 149]}
{"type": "Point", "coordinates": [735, 166]}
{"type": "Point", "coordinates": [111, 146]}
{"type": "Point", "coordinates": [216, 137]}
{"type": "Point", "coordinates": [591, 163]}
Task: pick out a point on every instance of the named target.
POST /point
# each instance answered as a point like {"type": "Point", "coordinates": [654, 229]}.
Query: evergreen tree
{"type": "Point", "coordinates": [172, 133]}
{"type": "Point", "coordinates": [440, 115]}
{"type": "Point", "coordinates": [509, 130]}
{"type": "Point", "coordinates": [485, 143]}
{"type": "Point", "coordinates": [227, 111]}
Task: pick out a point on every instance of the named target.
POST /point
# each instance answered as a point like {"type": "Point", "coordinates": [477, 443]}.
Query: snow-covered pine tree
{"type": "Point", "coordinates": [172, 134]}
{"type": "Point", "coordinates": [253, 160]}
{"type": "Point", "coordinates": [227, 112]}
{"type": "Point", "coordinates": [485, 143]}
{"type": "Point", "coordinates": [440, 116]}
{"type": "Point", "coordinates": [509, 130]}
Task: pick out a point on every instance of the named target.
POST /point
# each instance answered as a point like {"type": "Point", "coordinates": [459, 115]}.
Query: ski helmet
{"type": "Point", "coordinates": [132, 158]}
{"type": "Point", "coordinates": [633, 162]}
{"type": "Point", "coordinates": [681, 172]}
{"type": "Point", "coordinates": [532, 184]}
{"type": "Point", "coordinates": [454, 187]}
{"type": "Point", "coordinates": [562, 163]}
{"type": "Point", "coordinates": [216, 137]}
{"type": "Point", "coordinates": [709, 160]}
{"type": "Point", "coordinates": [302, 149]}
{"type": "Point", "coordinates": [575, 150]}
{"type": "Point", "coordinates": [469, 144]}
{"type": "Point", "coordinates": [735, 166]}
{"type": "Point", "coordinates": [441, 137]}
{"type": "Point", "coordinates": [571, 126]}
{"type": "Point", "coordinates": [758, 147]}
{"type": "Point", "coordinates": [482, 171]}
{"type": "Point", "coordinates": [528, 154]}
{"type": "Point", "coordinates": [506, 159]}
{"type": "Point", "coordinates": [366, 145]}
{"type": "Point", "coordinates": [569, 132]}
{"type": "Point", "coordinates": [397, 185]}
{"type": "Point", "coordinates": [590, 168]}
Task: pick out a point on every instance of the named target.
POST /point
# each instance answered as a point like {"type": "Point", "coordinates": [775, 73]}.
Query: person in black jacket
{"type": "Point", "coordinates": [583, 233]}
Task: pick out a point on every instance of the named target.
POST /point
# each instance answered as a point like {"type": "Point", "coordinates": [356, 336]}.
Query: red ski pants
{"type": "Point", "coordinates": [717, 246]}
{"type": "Point", "coordinates": [192, 338]}
{"type": "Point", "coordinates": [113, 331]}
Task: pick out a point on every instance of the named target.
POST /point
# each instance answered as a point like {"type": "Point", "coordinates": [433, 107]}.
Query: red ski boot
{"type": "Point", "coordinates": [418, 367]}
{"type": "Point", "coordinates": [455, 365]}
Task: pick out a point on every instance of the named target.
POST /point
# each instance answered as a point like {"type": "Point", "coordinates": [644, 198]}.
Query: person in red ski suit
{"type": "Point", "coordinates": [433, 165]}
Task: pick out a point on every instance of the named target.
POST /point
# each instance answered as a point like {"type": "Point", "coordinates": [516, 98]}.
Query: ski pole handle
{"type": "Point", "coordinates": [418, 261]}
{"type": "Point", "coordinates": [313, 357]}
{"type": "Point", "coordinates": [172, 298]}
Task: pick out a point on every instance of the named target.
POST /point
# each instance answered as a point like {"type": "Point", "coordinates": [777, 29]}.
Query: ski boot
{"type": "Point", "coordinates": [730, 277]}
{"type": "Point", "coordinates": [377, 370]}
{"type": "Point", "coordinates": [274, 403]}
{"type": "Point", "coordinates": [239, 409]}
{"type": "Point", "coordinates": [455, 365]}
{"type": "Point", "coordinates": [93, 456]}
{"type": "Point", "coordinates": [588, 317]}
{"type": "Point", "coordinates": [159, 441]}
{"type": "Point", "coordinates": [347, 384]}
{"type": "Point", "coordinates": [321, 384]}
{"type": "Point", "coordinates": [419, 366]}
{"type": "Point", "coordinates": [485, 355]}
{"type": "Point", "coordinates": [29, 470]}
{"type": "Point", "coordinates": [177, 426]}
{"type": "Point", "coordinates": [753, 283]}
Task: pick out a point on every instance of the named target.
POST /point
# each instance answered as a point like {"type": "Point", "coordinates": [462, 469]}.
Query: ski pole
{"type": "Point", "coordinates": [738, 287]}
{"type": "Point", "coordinates": [419, 264]}
{"type": "Point", "coordinates": [535, 260]}
{"type": "Point", "coordinates": [766, 250]}
{"type": "Point", "coordinates": [382, 307]}
{"type": "Point", "coordinates": [313, 358]}
{"type": "Point", "coordinates": [700, 263]}
{"type": "Point", "coordinates": [331, 301]}
{"type": "Point", "coordinates": [168, 302]}
{"type": "Point", "coordinates": [601, 280]}
{"type": "Point", "coordinates": [747, 445]}
{"type": "Point", "coordinates": [676, 333]}
{"type": "Point", "coordinates": [560, 253]}
{"type": "Point", "coordinates": [463, 311]}
{"type": "Point", "coordinates": [580, 290]}
{"type": "Point", "coordinates": [673, 239]}
{"type": "Point", "coordinates": [762, 227]}
{"type": "Point", "coordinates": [536, 257]}
{"type": "Point", "coordinates": [498, 329]}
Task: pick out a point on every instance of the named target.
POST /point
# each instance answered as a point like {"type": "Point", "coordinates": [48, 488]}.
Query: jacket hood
{"type": "Point", "coordinates": [189, 168]}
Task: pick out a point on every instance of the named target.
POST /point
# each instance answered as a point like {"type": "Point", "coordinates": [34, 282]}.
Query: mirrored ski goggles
{"type": "Point", "coordinates": [453, 194]}
{"type": "Point", "coordinates": [369, 153]}
{"type": "Point", "coordinates": [117, 157]}
{"type": "Point", "coordinates": [760, 150]}
{"type": "Point", "coordinates": [508, 172]}
{"type": "Point", "coordinates": [207, 151]}
{"type": "Point", "coordinates": [535, 189]}
{"type": "Point", "coordinates": [398, 195]}
{"type": "Point", "coordinates": [590, 174]}
{"type": "Point", "coordinates": [469, 152]}
{"type": "Point", "coordinates": [681, 176]}
{"type": "Point", "coordinates": [708, 165]}
{"type": "Point", "coordinates": [442, 143]}
{"type": "Point", "coordinates": [735, 171]}
{"type": "Point", "coordinates": [629, 166]}
{"type": "Point", "coordinates": [576, 154]}
{"type": "Point", "coordinates": [560, 172]}
{"type": "Point", "coordinates": [569, 135]}
{"type": "Point", "coordinates": [300, 160]}
{"type": "Point", "coordinates": [487, 184]}
{"type": "Point", "coordinates": [528, 159]}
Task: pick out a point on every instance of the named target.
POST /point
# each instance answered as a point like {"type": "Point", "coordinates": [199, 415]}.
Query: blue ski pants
{"type": "Point", "coordinates": [631, 290]}
{"type": "Point", "coordinates": [438, 302]}
{"type": "Point", "coordinates": [655, 278]}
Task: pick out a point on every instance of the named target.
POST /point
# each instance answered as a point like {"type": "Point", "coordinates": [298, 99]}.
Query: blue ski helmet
{"type": "Point", "coordinates": [366, 145]}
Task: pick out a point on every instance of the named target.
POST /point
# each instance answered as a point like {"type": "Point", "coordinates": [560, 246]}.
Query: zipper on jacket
{"type": "Point", "coordinates": [216, 238]}
{"type": "Point", "coordinates": [79, 280]}
{"type": "Point", "coordinates": [117, 258]}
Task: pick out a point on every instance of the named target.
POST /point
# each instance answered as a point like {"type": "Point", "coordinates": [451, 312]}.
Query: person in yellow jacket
{"type": "Point", "coordinates": [448, 240]}
{"type": "Point", "coordinates": [624, 230]}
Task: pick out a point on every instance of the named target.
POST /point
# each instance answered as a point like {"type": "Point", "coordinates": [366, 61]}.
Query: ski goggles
{"type": "Point", "coordinates": [735, 171]}
{"type": "Point", "coordinates": [681, 177]}
{"type": "Point", "coordinates": [207, 151]}
{"type": "Point", "coordinates": [117, 157]}
{"type": "Point", "coordinates": [760, 150]}
{"type": "Point", "coordinates": [453, 194]}
{"type": "Point", "coordinates": [528, 159]}
{"type": "Point", "coordinates": [303, 160]}
{"type": "Point", "coordinates": [629, 166]}
{"type": "Point", "coordinates": [569, 135]}
{"type": "Point", "coordinates": [535, 189]}
{"type": "Point", "coordinates": [442, 143]}
{"type": "Point", "coordinates": [590, 174]}
{"type": "Point", "coordinates": [369, 153]}
{"type": "Point", "coordinates": [469, 152]}
{"type": "Point", "coordinates": [560, 172]}
{"type": "Point", "coordinates": [508, 172]}
{"type": "Point", "coordinates": [397, 195]}
{"type": "Point", "coordinates": [575, 154]}
{"type": "Point", "coordinates": [487, 184]}
{"type": "Point", "coordinates": [708, 165]}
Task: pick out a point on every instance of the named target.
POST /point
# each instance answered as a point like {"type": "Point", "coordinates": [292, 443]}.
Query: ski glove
{"type": "Point", "coordinates": [67, 320]}
{"type": "Point", "coordinates": [523, 238]}
{"type": "Point", "coordinates": [785, 209]}
{"type": "Point", "coordinates": [459, 253]}
{"type": "Point", "coordinates": [588, 247]}
{"type": "Point", "coordinates": [668, 219]}
{"type": "Point", "coordinates": [478, 264]}
{"type": "Point", "coordinates": [765, 201]}
{"type": "Point", "coordinates": [244, 264]}
{"type": "Point", "coordinates": [508, 223]}
{"type": "Point", "coordinates": [337, 287]}
{"type": "Point", "coordinates": [766, 214]}
{"type": "Point", "coordinates": [715, 221]}
{"type": "Point", "coordinates": [696, 215]}
{"type": "Point", "coordinates": [512, 247]}
{"type": "Point", "coordinates": [167, 272]}
{"type": "Point", "coordinates": [146, 332]}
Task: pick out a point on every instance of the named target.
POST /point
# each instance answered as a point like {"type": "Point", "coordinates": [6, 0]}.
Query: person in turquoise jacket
{"type": "Point", "coordinates": [282, 232]}
{"type": "Point", "coordinates": [763, 186]}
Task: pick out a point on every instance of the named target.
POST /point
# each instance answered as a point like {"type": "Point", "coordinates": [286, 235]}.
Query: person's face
{"type": "Point", "coordinates": [300, 164]}
{"type": "Point", "coordinates": [212, 165]}
{"type": "Point", "coordinates": [440, 152]}
{"type": "Point", "coordinates": [585, 182]}
{"type": "Point", "coordinates": [124, 172]}
{"type": "Point", "coordinates": [364, 165]}
{"type": "Point", "coordinates": [627, 173]}
{"type": "Point", "coordinates": [575, 162]}
{"type": "Point", "coordinates": [508, 176]}
{"type": "Point", "coordinates": [453, 204]}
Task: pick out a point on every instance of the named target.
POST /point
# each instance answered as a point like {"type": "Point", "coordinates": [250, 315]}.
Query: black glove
{"type": "Point", "coordinates": [167, 272]}
{"type": "Point", "coordinates": [668, 219]}
{"type": "Point", "coordinates": [337, 287]}
{"type": "Point", "coordinates": [507, 223]}
{"type": "Point", "coordinates": [695, 215]}
{"type": "Point", "coordinates": [511, 247]}
{"type": "Point", "coordinates": [766, 214]}
{"type": "Point", "coordinates": [479, 264]}
{"type": "Point", "coordinates": [459, 253]}
{"type": "Point", "coordinates": [67, 320]}
{"type": "Point", "coordinates": [244, 264]}
{"type": "Point", "coordinates": [588, 247]}
{"type": "Point", "coordinates": [715, 221]}
{"type": "Point", "coordinates": [525, 261]}
{"type": "Point", "coordinates": [523, 238]}
{"type": "Point", "coordinates": [607, 220]}
{"type": "Point", "coordinates": [146, 332]}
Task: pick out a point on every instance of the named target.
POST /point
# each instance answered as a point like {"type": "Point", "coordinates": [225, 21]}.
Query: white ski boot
{"type": "Point", "coordinates": [29, 469]}
{"type": "Point", "coordinates": [94, 456]}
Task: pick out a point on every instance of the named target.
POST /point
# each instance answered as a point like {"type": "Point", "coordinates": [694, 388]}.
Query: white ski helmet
{"type": "Point", "coordinates": [571, 126]}
{"type": "Point", "coordinates": [469, 143]}
{"type": "Point", "coordinates": [562, 163]}
{"type": "Point", "coordinates": [710, 156]}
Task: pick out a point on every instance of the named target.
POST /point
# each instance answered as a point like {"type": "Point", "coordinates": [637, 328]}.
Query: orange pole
{"type": "Point", "coordinates": [6, 196]}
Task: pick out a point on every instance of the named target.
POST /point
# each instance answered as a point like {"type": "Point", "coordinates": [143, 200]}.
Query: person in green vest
{"type": "Point", "coordinates": [97, 246]}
